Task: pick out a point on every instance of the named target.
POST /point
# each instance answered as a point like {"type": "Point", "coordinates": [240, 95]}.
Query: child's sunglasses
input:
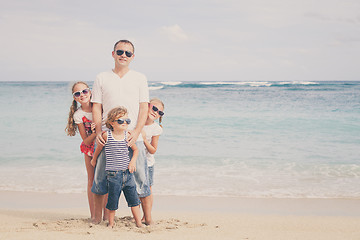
{"type": "Point", "coordinates": [121, 121]}
{"type": "Point", "coordinates": [121, 52]}
{"type": "Point", "coordinates": [155, 109]}
{"type": "Point", "coordinates": [78, 94]}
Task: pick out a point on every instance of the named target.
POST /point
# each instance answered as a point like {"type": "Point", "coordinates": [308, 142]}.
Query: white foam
{"type": "Point", "coordinates": [298, 83]}
{"type": "Point", "coordinates": [171, 83]}
{"type": "Point", "coordinates": [260, 84]}
{"type": "Point", "coordinates": [218, 83]}
{"type": "Point", "coordinates": [156, 88]}
{"type": "Point", "coordinates": [253, 84]}
{"type": "Point", "coordinates": [307, 83]}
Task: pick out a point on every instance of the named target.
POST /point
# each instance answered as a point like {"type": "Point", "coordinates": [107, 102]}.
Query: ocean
{"type": "Point", "coordinates": [296, 139]}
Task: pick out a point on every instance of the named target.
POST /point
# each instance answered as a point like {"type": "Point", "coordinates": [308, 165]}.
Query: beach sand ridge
{"type": "Point", "coordinates": [122, 224]}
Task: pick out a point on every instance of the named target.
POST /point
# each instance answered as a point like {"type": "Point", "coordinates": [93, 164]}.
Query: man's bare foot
{"type": "Point", "coordinates": [94, 221]}
{"type": "Point", "coordinates": [139, 225]}
{"type": "Point", "coordinates": [149, 223]}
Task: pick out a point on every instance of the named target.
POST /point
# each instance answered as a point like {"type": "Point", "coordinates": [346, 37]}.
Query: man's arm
{"type": "Point", "coordinates": [143, 113]}
{"type": "Point", "coordinates": [97, 119]}
{"type": "Point", "coordinates": [97, 151]}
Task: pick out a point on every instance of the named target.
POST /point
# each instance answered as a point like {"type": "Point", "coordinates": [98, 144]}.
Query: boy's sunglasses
{"type": "Point", "coordinates": [121, 52]}
{"type": "Point", "coordinates": [155, 109]}
{"type": "Point", "coordinates": [121, 121]}
{"type": "Point", "coordinates": [85, 91]}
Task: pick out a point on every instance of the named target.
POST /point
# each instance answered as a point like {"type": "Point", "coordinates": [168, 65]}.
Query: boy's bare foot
{"type": "Point", "coordinates": [111, 225]}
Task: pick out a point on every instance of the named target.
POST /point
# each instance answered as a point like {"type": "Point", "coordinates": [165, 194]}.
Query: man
{"type": "Point", "coordinates": [121, 87]}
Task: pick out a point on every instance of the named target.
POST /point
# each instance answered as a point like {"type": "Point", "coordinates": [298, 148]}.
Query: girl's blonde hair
{"type": "Point", "coordinates": [113, 114]}
{"type": "Point", "coordinates": [71, 127]}
{"type": "Point", "coordinates": [158, 101]}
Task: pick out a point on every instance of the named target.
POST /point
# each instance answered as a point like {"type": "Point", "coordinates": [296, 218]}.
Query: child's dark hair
{"type": "Point", "coordinates": [71, 127]}
{"type": "Point", "coordinates": [113, 114]}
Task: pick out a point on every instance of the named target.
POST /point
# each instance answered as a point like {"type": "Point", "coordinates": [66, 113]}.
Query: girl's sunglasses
{"type": "Point", "coordinates": [78, 94]}
{"type": "Point", "coordinates": [121, 121]}
{"type": "Point", "coordinates": [155, 109]}
{"type": "Point", "coordinates": [121, 52]}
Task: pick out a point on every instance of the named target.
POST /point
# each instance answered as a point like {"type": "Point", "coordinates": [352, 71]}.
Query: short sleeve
{"type": "Point", "coordinates": [96, 93]}
{"type": "Point", "coordinates": [157, 130]}
{"type": "Point", "coordinates": [78, 116]}
{"type": "Point", "coordinates": [144, 90]}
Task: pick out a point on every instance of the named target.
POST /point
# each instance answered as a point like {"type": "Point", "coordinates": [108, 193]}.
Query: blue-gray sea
{"type": "Point", "coordinates": [242, 139]}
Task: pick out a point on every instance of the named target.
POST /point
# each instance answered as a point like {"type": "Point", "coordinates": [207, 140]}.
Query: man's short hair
{"type": "Point", "coordinates": [125, 41]}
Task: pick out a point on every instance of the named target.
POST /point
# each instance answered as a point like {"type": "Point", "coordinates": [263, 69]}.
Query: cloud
{"type": "Point", "coordinates": [175, 33]}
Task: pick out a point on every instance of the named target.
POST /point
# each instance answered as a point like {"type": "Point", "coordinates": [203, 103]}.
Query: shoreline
{"type": "Point", "coordinates": [268, 206]}
{"type": "Point", "coordinates": [25, 215]}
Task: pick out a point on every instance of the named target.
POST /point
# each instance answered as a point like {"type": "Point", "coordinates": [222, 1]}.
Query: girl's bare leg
{"type": "Point", "coordinates": [148, 208]}
{"type": "Point", "coordinates": [151, 199]}
{"type": "Point", "coordinates": [90, 179]}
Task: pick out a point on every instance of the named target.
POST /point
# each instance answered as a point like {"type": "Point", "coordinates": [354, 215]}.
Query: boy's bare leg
{"type": "Point", "coordinates": [111, 218]}
{"type": "Point", "coordinates": [106, 211]}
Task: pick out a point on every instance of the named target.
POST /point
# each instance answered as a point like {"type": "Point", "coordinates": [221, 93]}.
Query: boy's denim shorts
{"type": "Point", "coordinates": [151, 175]}
{"type": "Point", "coordinates": [118, 181]}
{"type": "Point", "coordinates": [141, 175]}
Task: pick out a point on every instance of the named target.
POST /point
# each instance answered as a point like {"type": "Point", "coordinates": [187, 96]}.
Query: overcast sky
{"type": "Point", "coordinates": [185, 40]}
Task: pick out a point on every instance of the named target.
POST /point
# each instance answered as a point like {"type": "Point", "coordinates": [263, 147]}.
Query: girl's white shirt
{"type": "Point", "coordinates": [79, 114]}
{"type": "Point", "coordinates": [151, 130]}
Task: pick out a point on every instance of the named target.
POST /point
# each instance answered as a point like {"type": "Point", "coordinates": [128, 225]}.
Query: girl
{"type": "Point", "coordinates": [81, 119]}
{"type": "Point", "coordinates": [119, 167]}
{"type": "Point", "coordinates": [151, 133]}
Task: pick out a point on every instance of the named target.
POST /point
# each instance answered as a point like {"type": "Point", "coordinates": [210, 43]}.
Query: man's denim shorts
{"type": "Point", "coordinates": [118, 181]}
{"type": "Point", "coordinates": [141, 174]}
{"type": "Point", "coordinates": [100, 184]}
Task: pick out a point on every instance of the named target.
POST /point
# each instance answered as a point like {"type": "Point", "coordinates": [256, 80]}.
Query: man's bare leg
{"type": "Point", "coordinates": [146, 206]}
{"type": "Point", "coordinates": [99, 205]}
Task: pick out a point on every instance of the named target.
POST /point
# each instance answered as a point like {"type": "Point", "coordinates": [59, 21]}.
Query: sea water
{"type": "Point", "coordinates": [241, 139]}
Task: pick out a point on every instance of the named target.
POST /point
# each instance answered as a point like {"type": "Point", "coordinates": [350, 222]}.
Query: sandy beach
{"type": "Point", "coordinates": [25, 215]}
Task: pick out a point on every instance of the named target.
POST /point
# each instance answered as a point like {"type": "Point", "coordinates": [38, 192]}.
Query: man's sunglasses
{"type": "Point", "coordinates": [78, 94]}
{"type": "Point", "coordinates": [121, 52]}
{"type": "Point", "coordinates": [121, 121]}
{"type": "Point", "coordinates": [155, 109]}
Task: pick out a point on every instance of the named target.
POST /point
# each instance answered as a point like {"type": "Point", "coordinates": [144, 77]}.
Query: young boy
{"type": "Point", "coordinates": [119, 168]}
